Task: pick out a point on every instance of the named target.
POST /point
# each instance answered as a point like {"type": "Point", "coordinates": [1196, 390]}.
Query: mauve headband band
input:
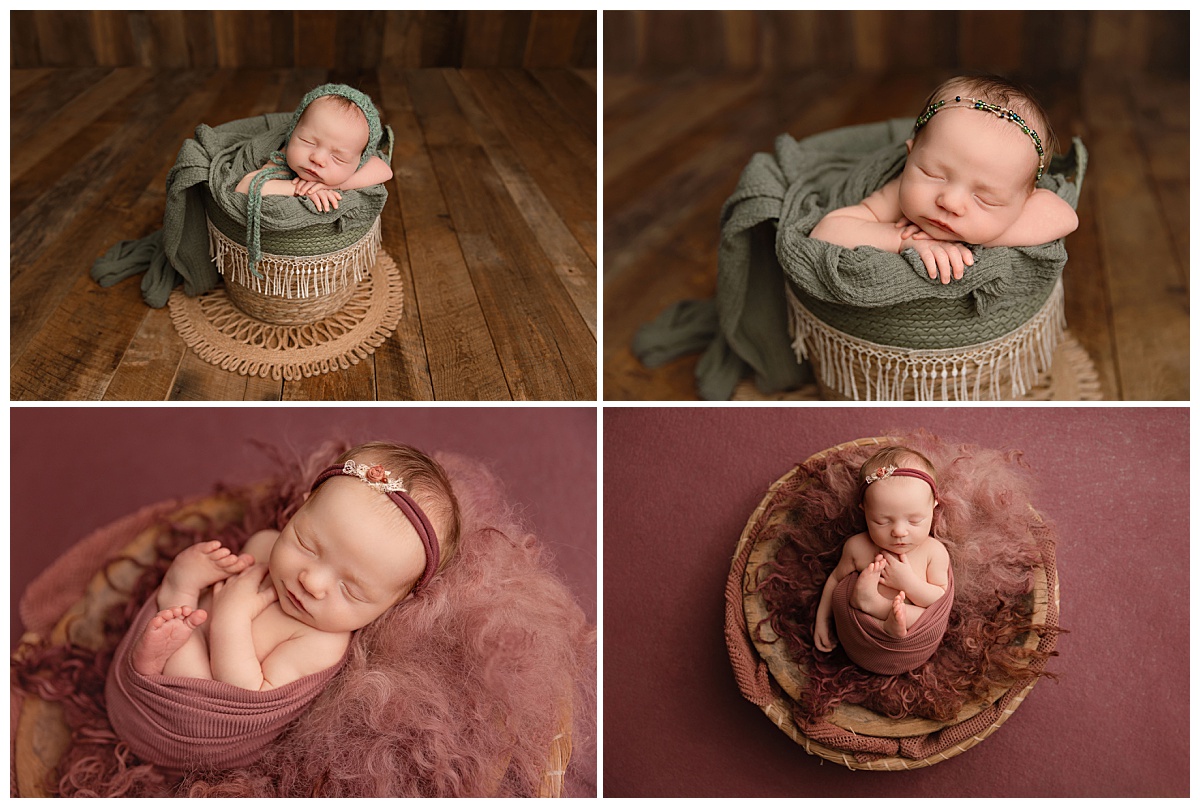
{"type": "Point", "coordinates": [883, 472]}
{"type": "Point", "coordinates": [412, 511]}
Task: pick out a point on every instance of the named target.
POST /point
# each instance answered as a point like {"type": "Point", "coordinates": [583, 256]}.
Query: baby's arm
{"type": "Point", "coordinates": [870, 223]}
{"type": "Point", "coordinates": [921, 587]}
{"type": "Point", "coordinates": [236, 602]}
{"type": "Point", "coordinates": [877, 222]}
{"type": "Point", "coordinates": [1046, 217]}
{"type": "Point", "coordinates": [373, 172]}
{"type": "Point", "coordinates": [823, 633]}
{"type": "Point", "coordinates": [270, 187]}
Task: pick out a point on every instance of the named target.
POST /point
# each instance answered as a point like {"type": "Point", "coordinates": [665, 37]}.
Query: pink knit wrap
{"type": "Point", "coordinates": [189, 724]}
{"type": "Point", "coordinates": [873, 649]}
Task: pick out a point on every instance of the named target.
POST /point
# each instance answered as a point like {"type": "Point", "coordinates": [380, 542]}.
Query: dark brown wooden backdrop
{"type": "Point", "coordinates": [301, 39]}
{"type": "Point", "coordinates": [1000, 41]}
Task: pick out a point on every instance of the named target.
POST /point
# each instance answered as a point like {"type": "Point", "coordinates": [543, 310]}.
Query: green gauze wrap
{"type": "Point", "coordinates": [280, 168]}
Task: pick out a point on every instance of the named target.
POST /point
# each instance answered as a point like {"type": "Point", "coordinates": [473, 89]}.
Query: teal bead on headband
{"type": "Point", "coordinates": [280, 169]}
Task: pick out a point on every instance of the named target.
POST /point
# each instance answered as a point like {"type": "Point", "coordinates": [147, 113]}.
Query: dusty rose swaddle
{"type": "Point", "coordinates": [872, 648]}
{"type": "Point", "coordinates": [185, 724]}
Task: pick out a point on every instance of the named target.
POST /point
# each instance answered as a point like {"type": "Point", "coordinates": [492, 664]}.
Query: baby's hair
{"type": "Point", "coordinates": [997, 90]}
{"type": "Point", "coordinates": [898, 456]}
{"type": "Point", "coordinates": [425, 481]}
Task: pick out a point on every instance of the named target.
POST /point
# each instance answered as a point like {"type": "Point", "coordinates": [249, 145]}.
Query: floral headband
{"type": "Point", "coordinates": [379, 478]}
{"type": "Point", "coordinates": [999, 111]}
{"type": "Point", "coordinates": [883, 472]}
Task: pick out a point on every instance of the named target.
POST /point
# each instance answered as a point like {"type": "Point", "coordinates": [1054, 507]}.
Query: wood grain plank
{"type": "Point", "coordinates": [61, 130]}
{"type": "Point", "coordinates": [462, 359]}
{"type": "Point", "coordinates": [576, 96]}
{"type": "Point", "coordinates": [704, 98]}
{"type": "Point", "coordinates": [555, 154]}
{"type": "Point", "coordinates": [354, 383]}
{"type": "Point", "coordinates": [64, 38]}
{"type": "Point", "coordinates": [1150, 308]}
{"type": "Point", "coordinates": [94, 204]}
{"type": "Point", "coordinates": [97, 324]}
{"type": "Point", "coordinates": [146, 370]}
{"type": "Point", "coordinates": [545, 349]}
{"type": "Point", "coordinates": [575, 267]}
{"type": "Point", "coordinates": [551, 39]}
{"type": "Point", "coordinates": [402, 363]}
{"type": "Point", "coordinates": [195, 381]}
{"type": "Point", "coordinates": [112, 39]}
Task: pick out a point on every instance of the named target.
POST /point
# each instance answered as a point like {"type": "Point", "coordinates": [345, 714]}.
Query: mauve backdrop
{"type": "Point", "coordinates": [679, 486]}
{"type": "Point", "coordinates": [76, 469]}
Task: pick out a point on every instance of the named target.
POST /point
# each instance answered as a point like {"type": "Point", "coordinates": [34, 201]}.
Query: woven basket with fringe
{"type": "Point", "coordinates": [293, 289]}
{"type": "Point", "coordinates": [1007, 366]}
{"type": "Point", "coordinates": [770, 678]}
{"type": "Point", "coordinates": [42, 734]}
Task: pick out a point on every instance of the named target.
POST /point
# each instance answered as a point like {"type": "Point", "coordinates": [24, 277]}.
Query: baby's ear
{"type": "Point", "coordinates": [908, 144]}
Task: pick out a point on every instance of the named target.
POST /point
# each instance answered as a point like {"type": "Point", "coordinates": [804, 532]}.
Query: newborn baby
{"type": "Point", "coordinates": [973, 165]}
{"type": "Point", "coordinates": [897, 569]}
{"type": "Point", "coordinates": [285, 607]}
{"type": "Point", "coordinates": [327, 150]}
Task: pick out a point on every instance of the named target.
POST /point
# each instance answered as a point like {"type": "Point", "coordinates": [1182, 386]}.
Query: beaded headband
{"type": "Point", "coordinates": [883, 472]}
{"type": "Point", "coordinates": [379, 478]}
{"type": "Point", "coordinates": [999, 111]}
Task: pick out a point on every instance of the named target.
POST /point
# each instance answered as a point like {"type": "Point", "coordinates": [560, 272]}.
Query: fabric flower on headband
{"type": "Point", "coordinates": [881, 473]}
{"type": "Point", "coordinates": [375, 476]}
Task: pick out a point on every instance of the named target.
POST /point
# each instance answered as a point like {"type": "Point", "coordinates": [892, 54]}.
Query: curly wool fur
{"type": "Point", "coordinates": [983, 519]}
{"type": "Point", "coordinates": [460, 692]}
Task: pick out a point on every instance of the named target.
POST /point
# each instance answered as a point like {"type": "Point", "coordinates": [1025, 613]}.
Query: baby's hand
{"type": "Point", "coordinates": [249, 590]}
{"type": "Point", "coordinates": [909, 230]}
{"type": "Point", "coordinates": [823, 638]}
{"type": "Point", "coordinates": [898, 573]}
{"type": "Point", "coordinates": [942, 259]}
{"type": "Point", "coordinates": [324, 197]}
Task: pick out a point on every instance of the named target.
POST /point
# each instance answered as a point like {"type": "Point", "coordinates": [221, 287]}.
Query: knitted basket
{"type": "Point", "coordinates": [42, 734]}
{"type": "Point", "coordinates": [932, 348]}
{"type": "Point", "coordinates": [769, 676]}
{"type": "Point", "coordinates": [306, 275]}
{"type": "Point", "coordinates": [919, 351]}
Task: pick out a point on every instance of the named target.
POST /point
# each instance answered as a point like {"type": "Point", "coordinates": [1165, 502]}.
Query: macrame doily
{"type": "Point", "coordinates": [225, 336]}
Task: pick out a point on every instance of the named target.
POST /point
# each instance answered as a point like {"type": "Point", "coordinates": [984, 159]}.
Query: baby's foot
{"type": "Point", "coordinates": [865, 596]}
{"type": "Point", "coordinates": [200, 566]}
{"type": "Point", "coordinates": [896, 623]}
{"type": "Point", "coordinates": [166, 633]}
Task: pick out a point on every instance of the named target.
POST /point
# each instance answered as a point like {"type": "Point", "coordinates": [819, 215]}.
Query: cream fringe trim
{"type": "Point", "coordinates": [295, 276]}
{"type": "Point", "coordinates": [1006, 367]}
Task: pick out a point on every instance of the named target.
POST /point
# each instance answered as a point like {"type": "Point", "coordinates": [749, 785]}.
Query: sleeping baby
{"type": "Point", "coordinates": [277, 619]}
{"type": "Point", "coordinates": [888, 600]}
{"type": "Point", "coordinates": [326, 149]}
{"type": "Point", "coordinates": [970, 178]}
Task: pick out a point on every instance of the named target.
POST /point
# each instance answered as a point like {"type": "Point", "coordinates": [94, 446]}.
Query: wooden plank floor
{"type": "Point", "coordinates": [491, 219]}
{"type": "Point", "coordinates": [675, 146]}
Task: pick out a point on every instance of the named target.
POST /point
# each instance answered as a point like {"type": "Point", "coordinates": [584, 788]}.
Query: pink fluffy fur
{"type": "Point", "coordinates": [459, 692]}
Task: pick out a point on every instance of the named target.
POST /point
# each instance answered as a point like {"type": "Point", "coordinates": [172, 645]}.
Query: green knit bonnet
{"type": "Point", "coordinates": [280, 168]}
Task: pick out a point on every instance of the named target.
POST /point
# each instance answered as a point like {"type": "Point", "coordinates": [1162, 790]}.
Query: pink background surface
{"type": "Point", "coordinates": [679, 486]}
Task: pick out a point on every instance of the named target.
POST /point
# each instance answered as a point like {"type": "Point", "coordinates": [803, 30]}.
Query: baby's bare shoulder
{"type": "Point", "coordinates": [860, 549]}
{"type": "Point", "coordinates": [259, 545]}
{"type": "Point", "coordinates": [306, 651]}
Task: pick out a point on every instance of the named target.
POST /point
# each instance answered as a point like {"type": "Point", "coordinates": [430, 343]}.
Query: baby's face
{"type": "Point", "coordinates": [968, 176]}
{"type": "Point", "coordinates": [344, 559]}
{"type": "Point", "coordinates": [899, 513]}
{"type": "Point", "coordinates": [327, 143]}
